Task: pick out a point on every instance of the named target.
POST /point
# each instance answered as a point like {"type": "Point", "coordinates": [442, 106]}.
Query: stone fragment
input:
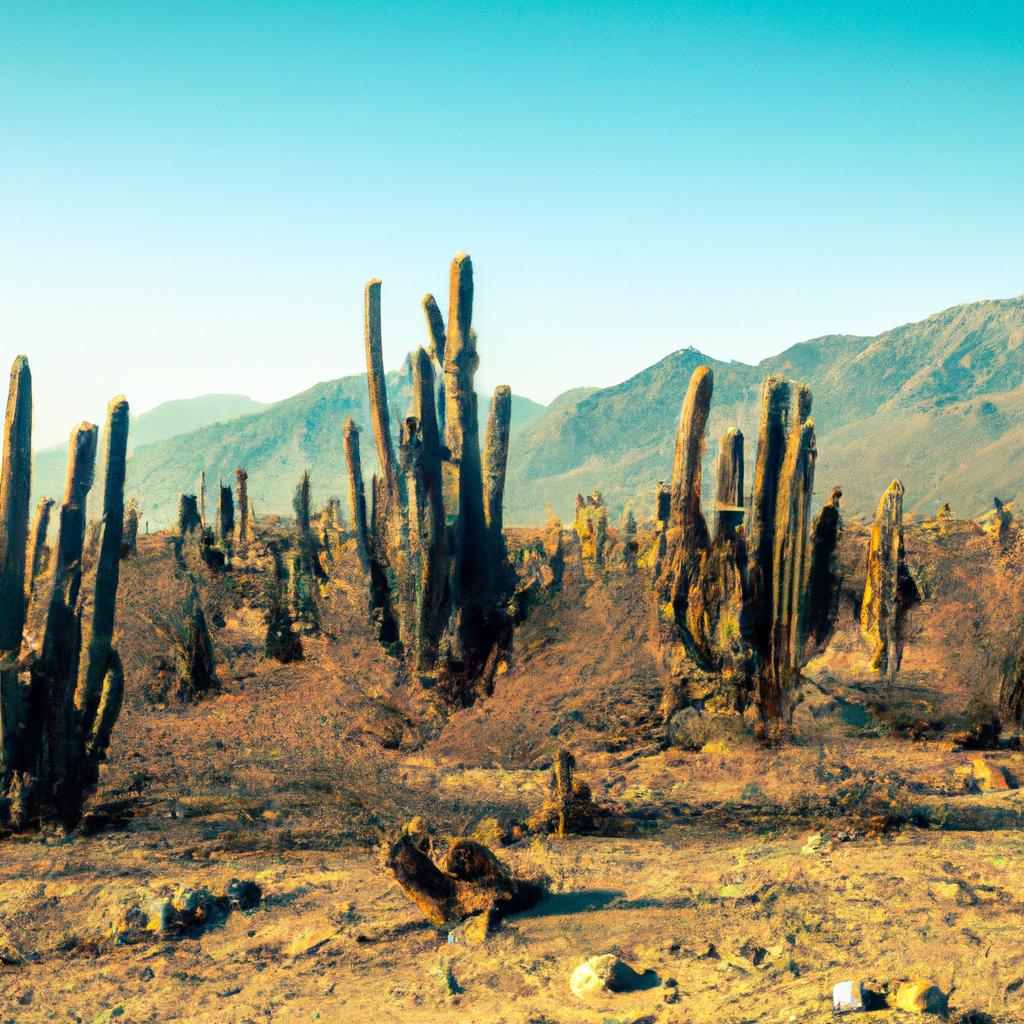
{"type": "Point", "coordinates": [607, 973]}
{"type": "Point", "coordinates": [919, 997]}
{"type": "Point", "coordinates": [988, 777]}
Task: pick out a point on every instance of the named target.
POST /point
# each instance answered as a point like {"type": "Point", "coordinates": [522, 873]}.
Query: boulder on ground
{"type": "Point", "coordinates": [920, 997]}
{"type": "Point", "coordinates": [607, 973]}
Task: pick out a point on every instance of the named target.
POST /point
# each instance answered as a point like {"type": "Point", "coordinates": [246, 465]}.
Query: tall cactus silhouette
{"type": "Point", "coordinates": [433, 544]}
{"type": "Point", "coordinates": [751, 607]}
{"type": "Point", "coordinates": [242, 519]}
{"type": "Point", "coordinates": [889, 589]}
{"type": "Point", "coordinates": [58, 709]}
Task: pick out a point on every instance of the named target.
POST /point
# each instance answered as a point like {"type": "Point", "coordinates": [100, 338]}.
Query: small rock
{"type": "Point", "coordinates": [816, 843]}
{"type": "Point", "coordinates": [477, 928]}
{"type": "Point", "coordinates": [919, 997]}
{"type": "Point", "coordinates": [243, 894]}
{"type": "Point", "coordinates": [847, 997]}
{"type": "Point", "coordinates": [989, 778]}
{"type": "Point", "coordinates": [606, 973]}
{"type": "Point", "coordinates": [944, 890]}
{"type": "Point", "coordinates": [751, 951]}
{"type": "Point", "coordinates": [310, 940]}
{"type": "Point", "coordinates": [11, 952]}
{"type": "Point", "coordinates": [671, 993]}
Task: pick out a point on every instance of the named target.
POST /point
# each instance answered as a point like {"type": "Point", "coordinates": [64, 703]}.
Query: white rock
{"type": "Point", "coordinates": [847, 997]}
{"type": "Point", "coordinates": [596, 975]}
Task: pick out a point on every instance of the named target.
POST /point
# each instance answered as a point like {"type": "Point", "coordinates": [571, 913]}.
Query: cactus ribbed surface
{"type": "Point", "coordinates": [302, 502]}
{"type": "Point", "coordinates": [356, 491]}
{"type": "Point", "coordinates": [242, 517]}
{"type": "Point", "coordinates": [15, 490]}
{"type": "Point", "coordinates": [58, 713]}
{"type": "Point", "coordinates": [108, 567]}
{"type": "Point", "coordinates": [495, 460]}
{"type": "Point", "coordinates": [751, 614]}
{"type": "Point", "coordinates": [686, 532]}
{"type": "Point", "coordinates": [729, 497]}
{"type": "Point", "coordinates": [591, 525]}
{"type": "Point", "coordinates": [37, 543]}
{"type": "Point", "coordinates": [427, 531]}
{"type": "Point", "coordinates": [888, 588]}
{"type": "Point", "coordinates": [376, 383]}
{"type": "Point", "coordinates": [433, 543]}
{"type": "Point", "coordinates": [686, 515]}
{"type": "Point", "coordinates": [226, 515]}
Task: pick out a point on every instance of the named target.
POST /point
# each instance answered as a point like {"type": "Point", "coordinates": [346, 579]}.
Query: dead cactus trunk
{"type": "Point", "coordinates": [58, 715]}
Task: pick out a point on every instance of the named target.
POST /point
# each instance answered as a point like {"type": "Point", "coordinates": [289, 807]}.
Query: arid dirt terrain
{"type": "Point", "coordinates": [745, 881]}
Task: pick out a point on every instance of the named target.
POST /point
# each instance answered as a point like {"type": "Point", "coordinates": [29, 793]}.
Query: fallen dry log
{"type": "Point", "coordinates": [465, 881]}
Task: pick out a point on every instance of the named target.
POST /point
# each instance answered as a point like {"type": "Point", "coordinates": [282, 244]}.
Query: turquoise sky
{"type": "Point", "coordinates": [192, 195]}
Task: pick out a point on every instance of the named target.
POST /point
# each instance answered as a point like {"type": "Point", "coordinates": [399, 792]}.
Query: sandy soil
{"type": "Point", "coordinates": [754, 879]}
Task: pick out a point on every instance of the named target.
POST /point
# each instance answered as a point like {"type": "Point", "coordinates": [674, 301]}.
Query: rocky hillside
{"type": "Point", "coordinates": [939, 403]}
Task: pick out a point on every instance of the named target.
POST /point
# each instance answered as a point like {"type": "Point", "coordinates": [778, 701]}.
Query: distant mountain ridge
{"type": "Point", "coordinates": [938, 403]}
{"type": "Point", "coordinates": [182, 416]}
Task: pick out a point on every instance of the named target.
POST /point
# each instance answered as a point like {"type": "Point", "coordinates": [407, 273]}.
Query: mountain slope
{"type": "Point", "coordinates": [182, 416]}
{"type": "Point", "coordinates": [939, 403]}
{"type": "Point", "coordinates": [167, 420]}
{"type": "Point", "coordinates": [275, 446]}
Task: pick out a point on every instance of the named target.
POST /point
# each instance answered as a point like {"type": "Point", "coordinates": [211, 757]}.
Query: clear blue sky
{"type": "Point", "coordinates": [193, 194]}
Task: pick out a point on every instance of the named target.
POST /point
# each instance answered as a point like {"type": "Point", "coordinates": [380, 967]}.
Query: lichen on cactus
{"type": "Point", "coordinates": [750, 614]}
{"type": "Point", "coordinates": [591, 526]}
{"type": "Point", "coordinates": [433, 543]}
{"type": "Point", "coordinates": [889, 589]}
{"type": "Point", "coordinates": [37, 550]}
{"type": "Point", "coordinates": [58, 709]}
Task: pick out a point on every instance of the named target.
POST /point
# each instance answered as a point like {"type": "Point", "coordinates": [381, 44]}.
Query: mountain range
{"type": "Point", "coordinates": [938, 403]}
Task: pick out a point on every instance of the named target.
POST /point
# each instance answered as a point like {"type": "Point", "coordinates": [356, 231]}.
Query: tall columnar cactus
{"type": "Point", "coordinates": [301, 503]}
{"type": "Point", "coordinates": [57, 712]}
{"type": "Point", "coordinates": [15, 490]}
{"type": "Point", "coordinates": [194, 660]}
{"type": "Point", "coordinates": [591, 525]}
{"type": "Point", "coordinates": [226, 516]}
{"type": "Point", "coordinates": [108, 566]}
{"type": "Point", "coordinates": [729, 499]}
{"type": "Point", "coordinates": [356, 492]}
{"type": "Point", "coordinates": [889, 589]}
{"type": "Point", "coordinates": [684, 542]}
{"type": "Point", "coordinates": [242, 519]}
{"type": "Point", "coordinates": [433, 543]}
{"type": "Point", "coordinates": [37, 551]}
{"type": "Point", "coordinates": [130, 540]}
{"type": "Point", "coordinates": [495, 461]}
{"type": "Point", "coordinates": [188, 515]}
{"type": "Point", "coordinates": [751, 613]}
